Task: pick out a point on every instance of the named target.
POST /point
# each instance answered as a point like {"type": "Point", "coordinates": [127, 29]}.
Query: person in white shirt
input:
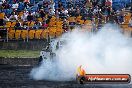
{"type": "Point", "coordinates": [3, 1]}
{"type": "Point", "coordinates": [13, 17]}
{"type": "Point", "coordinates": [65, 11]}
{"type": "Point", "coordinates": [24, 16]}
{"type": "Point", "coordinates": [51, 12]}
{"type": "Point", "coordinates": [51, 5]}
{"type": "Point", "coordinates": [15, 6]}
{"type": "Point", "coordinates": [96, 10]}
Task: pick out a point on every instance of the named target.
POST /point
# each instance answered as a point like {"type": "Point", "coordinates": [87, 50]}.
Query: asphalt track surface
{"type": "Point", "coordinates": [18, 77]}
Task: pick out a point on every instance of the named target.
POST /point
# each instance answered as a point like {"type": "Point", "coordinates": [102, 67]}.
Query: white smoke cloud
{"type": "Point", "coordinates": [107, 51]}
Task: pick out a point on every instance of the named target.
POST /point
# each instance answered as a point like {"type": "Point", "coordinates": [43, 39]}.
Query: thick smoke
{"type": "Point", "coordinates": [105, 52]}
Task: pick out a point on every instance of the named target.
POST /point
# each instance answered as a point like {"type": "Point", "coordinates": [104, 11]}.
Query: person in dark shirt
{"type": "Point", "coordinates": [94, 3]}
{"type": "Point", "coordinates": [77, 12]}
{"type": "Point", "coordinates": [90, 13]}
{"type": "Point", "coordinates": [29, 17]}
{"type": "Point", "coordinates": [37, 24]}
{"type": "Point", "coordinates": [42, 13]}
{"type": "Point", "coordinates": [25, 25]}
{"type": "Point", "coordinates": [112, 17]}
{"type": "Point", "coordinates": [70, 4]}
{"type": "Point", "coordinates": [1, 22]}
{"type": "Point", "coordinates": [18, 25]}
{"type": "Point", "coordinates": [60, 6]}
{"type": "Point", "coordinates": [5, 5]}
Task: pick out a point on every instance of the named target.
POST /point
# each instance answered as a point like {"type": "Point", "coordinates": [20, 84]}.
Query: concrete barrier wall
{"type": "Point", "coordinates": [20, 45]}
{"type": "Point", "coordinates": [19, 61]}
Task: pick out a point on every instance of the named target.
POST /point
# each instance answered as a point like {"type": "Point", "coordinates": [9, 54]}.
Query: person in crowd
{"type": "Point", "coordinates": [30, 17]}
{"type": "Point", "coordinates": [112, 17]}
{"type": "Point", "coordinates": [94, 29]}
{"type": "Point", "coordinates": [95, 10]}
{"type": "Point", "coordinates": [101, 3]}
{"type": "Point", "coordinates": [63, 13]}
{"type": "Point", "coordinates": [121, 17]}
{"type": "Point", "coordinates": [130, 22]}
{"type": "Point", "coordinates": [51, 11]}
{"type": "Point", "coordinates": [51, 5]}
{"type": "Point", "coordinates": [25, 25]}
{"type": "Point", "coordinates": [88, 4]}
{"type": "Point", "coordinates": [15, 5]}
{"type": "Point", "coordinates": [90, 13]}
{"type": "Point", "coordinates": [37, 14]}
{"type": "Point", "coordinates": [94, 3]}
{"type": "Point", "coordinates": [60, 6]}
{"type": "Point", "coordinates": [37, 25]}
{"type": "Point", "coordinates": [70, 4]}
{"type": "Point", "coordinates": [116, 14]}
{"type": "Point", "coordinates": [106, 13]}
{"type": "Point", "coordinates": [57, 13]}
{"type": "Point", "coordinates": [108, 3]}
{"type": "Point", "coordinates": [71, 12]}
{"type": "Point", "coordinates": [77, 12]}
{"type": "Point", "coordinates": [13, 17]}
{"type": "Point", "coordinates": [24, 16]}
{"type": "Point", "coordinates": [1, 22]}
{"type": "Point", "coordinates": [65, 25]}
{"type": "Point", "coordinates": [20, 6]}
{"type": "Point", "coordinates": [18, 25]}
{"type": "Point", "coordinates": [44, 24]}
{"type": "Point", "coordinates": [26, 3]}
{"type": "Point", "coordinates": [42, 13]}
{"type": "Point", "coordinates": [5, 5]}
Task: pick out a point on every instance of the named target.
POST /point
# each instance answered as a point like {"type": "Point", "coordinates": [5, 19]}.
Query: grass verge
{"type": "Point", "coordinates": [19, 53]}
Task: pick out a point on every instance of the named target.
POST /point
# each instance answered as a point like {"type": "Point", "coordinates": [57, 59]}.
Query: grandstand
{"type": "Point", "coordinates": [24, 20]}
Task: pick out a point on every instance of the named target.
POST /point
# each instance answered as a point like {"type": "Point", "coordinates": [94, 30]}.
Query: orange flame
{"type": "Point", "coordinates": [81, 71]}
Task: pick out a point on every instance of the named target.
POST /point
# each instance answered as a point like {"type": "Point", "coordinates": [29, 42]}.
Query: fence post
{"type": "Point", "coordinates": [6, 35]}
{"type": "Point", "coordinates": [27, 33]}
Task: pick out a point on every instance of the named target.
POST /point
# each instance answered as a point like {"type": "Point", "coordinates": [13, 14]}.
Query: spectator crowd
{"type": "Point", "coordinates": [40, 14]}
